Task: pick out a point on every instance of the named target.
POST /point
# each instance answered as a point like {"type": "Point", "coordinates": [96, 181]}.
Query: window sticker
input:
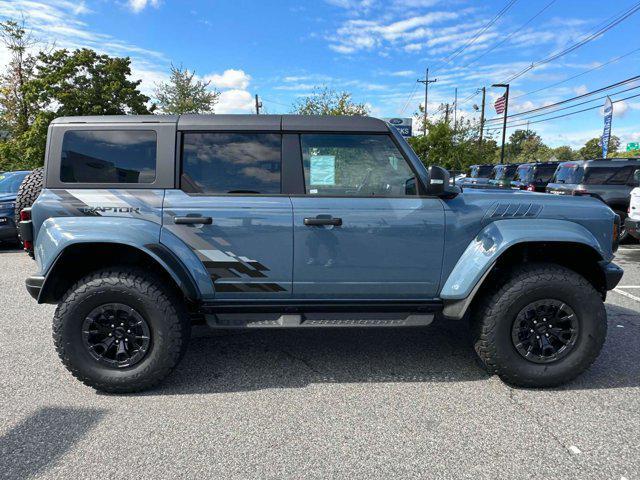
{"type": "Point", "coordinates": [322, 169]}
{"type": "Point", "coordinates": [394, 162]}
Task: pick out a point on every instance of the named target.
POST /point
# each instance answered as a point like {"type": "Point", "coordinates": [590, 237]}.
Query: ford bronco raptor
{"type": "Point", "coordinates": [147, 224]}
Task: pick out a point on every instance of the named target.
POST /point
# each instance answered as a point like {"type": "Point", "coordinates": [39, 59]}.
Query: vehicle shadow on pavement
{"type": "Point", "coordinates": [219, 362]}
{"type": "Point", "coordinates": [40, 440]}
{"type": "Point", "coordinates": [9, 248]}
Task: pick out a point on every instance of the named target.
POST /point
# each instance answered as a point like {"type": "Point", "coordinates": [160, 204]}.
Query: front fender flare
{"type": "Point", "coordinates": [492, 241]}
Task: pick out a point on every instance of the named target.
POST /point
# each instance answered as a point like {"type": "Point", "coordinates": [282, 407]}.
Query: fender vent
{"type": "Point", "coordinates": [514, 210]}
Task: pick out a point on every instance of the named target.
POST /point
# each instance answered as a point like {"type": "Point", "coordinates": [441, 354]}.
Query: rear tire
{"type": "Point", "coordinates": [532, 297]}
{"type": "Point", "coordinates": [28, 192]}
{"type": "Point", "coordinates": [142, 310]}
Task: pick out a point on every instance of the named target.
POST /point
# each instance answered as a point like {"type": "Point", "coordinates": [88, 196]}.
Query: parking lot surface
{"type": "Point", "coordinates": [403, 403]}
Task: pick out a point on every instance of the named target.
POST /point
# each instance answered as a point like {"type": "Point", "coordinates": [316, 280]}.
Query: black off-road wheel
{"type": "Point", "coordinates": [28, 192]}
{"type": "Point", "coordinates": [120, 330]}
{"type": "Point", "coordinates": [541, 326]}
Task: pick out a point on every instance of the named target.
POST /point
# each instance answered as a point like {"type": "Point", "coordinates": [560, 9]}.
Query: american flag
{"type": "Point", "coordinates": [500, 104]}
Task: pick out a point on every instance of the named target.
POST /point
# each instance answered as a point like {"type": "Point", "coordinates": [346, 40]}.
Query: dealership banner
{"type": "Point", "coordinates": [403, 125]}
{"type": "Point", "coordinates": [608, 117]}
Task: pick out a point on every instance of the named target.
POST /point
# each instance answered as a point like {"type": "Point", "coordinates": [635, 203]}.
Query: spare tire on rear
{"type": "Point", "coordinates": [28, 192]}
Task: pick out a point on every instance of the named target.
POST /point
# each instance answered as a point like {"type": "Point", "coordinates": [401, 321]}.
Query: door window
{"type": "Point", "coordinates": [227, 163]}
{"type": "Point", "coordinates": [355, 165]}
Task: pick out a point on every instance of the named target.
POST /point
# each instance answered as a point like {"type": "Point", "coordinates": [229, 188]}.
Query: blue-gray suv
{"type": "Point", "coordinates": [147, 224]}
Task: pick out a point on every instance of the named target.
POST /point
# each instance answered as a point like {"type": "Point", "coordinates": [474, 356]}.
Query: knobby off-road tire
{"type": "Point", "coordinates": [495, 314]}
{"type": "Point", "coordinates": [28, 192]}
{"type": "Point", "coordinates": [163, 313]}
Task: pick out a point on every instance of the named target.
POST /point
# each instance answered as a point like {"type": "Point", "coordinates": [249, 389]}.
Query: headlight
{"type": "Point", "coordinates": [7, 206]}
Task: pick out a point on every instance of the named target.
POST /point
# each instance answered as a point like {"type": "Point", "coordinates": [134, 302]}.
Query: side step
{"type": "Point", "coordinates": [265, 320]}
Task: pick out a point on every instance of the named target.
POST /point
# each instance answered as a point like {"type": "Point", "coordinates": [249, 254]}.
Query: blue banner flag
{"type": "Point", "coordinates": [608, 116]}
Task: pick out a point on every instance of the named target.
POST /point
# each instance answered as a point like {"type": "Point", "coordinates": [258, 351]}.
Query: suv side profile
{"type": "Point", "coordinates": [147, 224]}
{"type": "Point", "coordinates": [608, 180]}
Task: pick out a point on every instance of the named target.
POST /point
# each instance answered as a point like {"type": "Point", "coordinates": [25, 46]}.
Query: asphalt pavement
{"type": "Point", "coordinates": [387, 403]}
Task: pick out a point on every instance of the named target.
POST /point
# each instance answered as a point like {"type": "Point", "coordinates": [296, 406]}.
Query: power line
{"type": "Point", "coordinates": [511, 34]}
{"type": "Point", "coordinates": [613, 60]}
{"type": "Point", "coordinates": [491, 22]}
{"type": "Point", "coordinates": [413, 92]}
{"type": "Point", "coordinates": [562, 116]}
{"type": "Point", "coordinates": [601, 31]}
{"type": "Point", "coordinates": [588, 94]}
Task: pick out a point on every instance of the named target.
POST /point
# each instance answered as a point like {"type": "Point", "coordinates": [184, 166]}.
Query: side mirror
{"type": "Point", "coordinates": [636, 176]}
{"type": "Point", "coordinates": [438, 181]}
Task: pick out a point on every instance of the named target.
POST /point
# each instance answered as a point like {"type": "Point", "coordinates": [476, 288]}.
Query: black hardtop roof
{"type": "Point", "coordinates": [603, 162]}
{"type": "Point", "coordinates": [296, 123]}
{"type": "Point", "coordinates": [555, 162]}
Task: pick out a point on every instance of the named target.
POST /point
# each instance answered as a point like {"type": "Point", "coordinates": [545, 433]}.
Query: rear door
{"type": "Point", "coordinates": [361, 231]}
{"type": "Point", "coordinates": [230, 211]}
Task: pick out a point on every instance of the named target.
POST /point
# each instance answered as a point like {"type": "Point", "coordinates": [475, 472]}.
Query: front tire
{"type": "Point", "coordinates": [541, 327]}
{"type": "Point", "coordinates": [120, 330]}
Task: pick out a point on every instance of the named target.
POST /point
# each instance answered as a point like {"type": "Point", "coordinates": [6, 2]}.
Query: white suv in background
{"type": "Point", "coordinates": [632, 223]}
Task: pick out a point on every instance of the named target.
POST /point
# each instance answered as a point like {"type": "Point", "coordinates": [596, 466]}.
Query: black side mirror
{"type": "Point", "coordinates": [438, 181]}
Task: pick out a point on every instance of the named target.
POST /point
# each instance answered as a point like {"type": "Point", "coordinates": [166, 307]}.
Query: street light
{"type": "Point", "coordinates": [504, 120]}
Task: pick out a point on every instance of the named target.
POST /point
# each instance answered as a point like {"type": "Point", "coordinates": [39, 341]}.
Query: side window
{"type": "Point", "coordinates": [355, 165]}
{"type": "Point", "coordinates": [108, 156]}
{"type": "Point", "coordinates": [222, 163]}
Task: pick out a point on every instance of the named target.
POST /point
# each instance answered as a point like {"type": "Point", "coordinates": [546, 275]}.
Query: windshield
{"type": "Point", "coordinates": [544, 173]}
{"type": "Point", "coordinates": [10, 182]}
{"type": "Point", "coordinates": [504, 172]}
{"type": "Point", "coordinates": [568, 173]}
{"type": "Point", "coordinates": [524, 173]}
{"type": "Point", "coordinates": [481, 171]}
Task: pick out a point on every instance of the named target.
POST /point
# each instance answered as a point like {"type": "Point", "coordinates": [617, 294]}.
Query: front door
{"type": "Point", "coordinates": [230, 211]}
{"type": "Point", "coordinates": [361, 231]}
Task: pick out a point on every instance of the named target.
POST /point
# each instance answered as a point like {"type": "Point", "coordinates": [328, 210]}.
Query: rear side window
{"type": "Point", "coordinates": [481, 171]}
{"type": "Point", "coordinates": [523, 174]}
{"type": "Point", "coordinates": [609, 176]}
{"type": "Point", "coordinates": [108, 156]}
{"type": "Point", "coordinates": [225, 163]}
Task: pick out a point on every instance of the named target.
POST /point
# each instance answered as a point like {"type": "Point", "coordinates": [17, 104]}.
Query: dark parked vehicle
{"type": "Point", "coordinates": [478, 176]}
{"type": "Point", "coordinates": [9, 185]}
{"type": "Point", "coordinates": [502, 175]}
{"type": "Point", "coordinates": [534, 177]}
{"type": "Point", "coordinates": [609, 180]}
{"type": "Point", "coordinates": [147, 224]}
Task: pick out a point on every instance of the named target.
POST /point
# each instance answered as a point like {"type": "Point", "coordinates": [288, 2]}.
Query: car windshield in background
{"type": "Point", "coordinates": [10, 182]}
{"type": "Point", "coordinates": [544, 173]}
{"type": "Point", "coordinates": [524, 173]}
{"type": "Point", "coordinates": [569, 173]}
{"type": "Point", "coordinates": [481, 171]}
{"type": "Point", "coordinates": [504, 172]}
{"type": "Point", "coordinates": [609, 175]}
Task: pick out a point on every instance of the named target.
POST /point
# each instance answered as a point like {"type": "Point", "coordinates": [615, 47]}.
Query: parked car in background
{"type": "Point", "coordinates": [478, 176]}
{"type": "Point", "coordinates": [9, 185]}
{"type": "Point", "coordinates": [534, 177]}
{"type": "Point", "coordinates": [632, 223]}
{"type": "Point", "coordinates": [609, 180]}
{"type": "Point", "coordinates": [502, 175]}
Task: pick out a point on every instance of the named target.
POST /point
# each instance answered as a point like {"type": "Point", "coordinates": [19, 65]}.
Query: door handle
{"type": "Point", "coordinates": [310, 222]}
{"type": "Point", "coordinates": [192, 220]}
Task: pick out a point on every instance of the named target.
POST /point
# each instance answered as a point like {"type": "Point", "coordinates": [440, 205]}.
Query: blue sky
{"type": "Point", "coordinates": [375, 49]}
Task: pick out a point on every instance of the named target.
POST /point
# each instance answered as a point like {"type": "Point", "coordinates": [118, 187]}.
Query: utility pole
{"type": "Point", "coordinates": [504, 120]}
{"type": "Point", "coordinates": [455, 112]}
{"type": "Point", "coordinates": [484, 93]}
{"type": "Point", "coordinates": [426, 82]}
{"type": "Point", "coordinates": [258, 105]}
{"type": "Point", "coordinates": [446, 113]}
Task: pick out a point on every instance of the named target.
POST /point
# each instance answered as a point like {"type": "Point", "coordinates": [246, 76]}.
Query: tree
{"type": "Point", "coordinates": [517, 140]}
{"type": "Point", "coordinates": [326, 101]}
{"type": "Point", "coordinates": [593, 148]}
{"type": "Point", "coordinates": [184, 93]}
{"type": "Point", "coordinates": [66, 83]}
{"type": "Point", "coordinates": [563, 153]}
{"type": "Point", "coordinates": [16, 112]}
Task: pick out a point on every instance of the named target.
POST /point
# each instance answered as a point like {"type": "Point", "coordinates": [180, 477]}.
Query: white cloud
{"type": "Point", "coordinates": [229, 79]}
{"type": "Point", "coordinates": [139, 5]}
{"type": "Point", "coordinates": [235, 101]}
{"type": "Point", "coordinates": [403, 73]}
{"type": "Point", "coordinates": [580, 90]}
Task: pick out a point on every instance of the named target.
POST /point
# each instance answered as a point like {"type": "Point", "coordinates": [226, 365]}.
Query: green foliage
{"type": "Point", "coordinates": [563, 153]}
{"type": "Point", "coordinates": [593, 149]}
{"type": "Point", "coordinates": [184, 93]}
{"type": "Point", "coordinates": [66, 83]}
{"type": "Point", "coordinates": [326, 101]}
{"type": "Point", "coordinates": [633, 154]}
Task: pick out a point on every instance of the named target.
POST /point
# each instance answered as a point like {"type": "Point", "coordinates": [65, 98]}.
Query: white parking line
{"type": "Point", "coordinates": [625, 294]}
{"type": "Point", "coordinates": [628, 286]}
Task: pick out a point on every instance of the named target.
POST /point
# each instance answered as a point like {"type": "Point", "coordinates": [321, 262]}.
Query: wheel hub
{"type": "Point", "coordinates": [116, 335]}
{"type": "Point", "coordinates": [545, 331]}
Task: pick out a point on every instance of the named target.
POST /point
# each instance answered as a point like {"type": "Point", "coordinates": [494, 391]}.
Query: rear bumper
{"type": "Point", "coordinates": [34, 285]}
{"type": "Point", "coordinates": [612, 274]}
{"type": "Point", "coordinates": [633, 227]}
